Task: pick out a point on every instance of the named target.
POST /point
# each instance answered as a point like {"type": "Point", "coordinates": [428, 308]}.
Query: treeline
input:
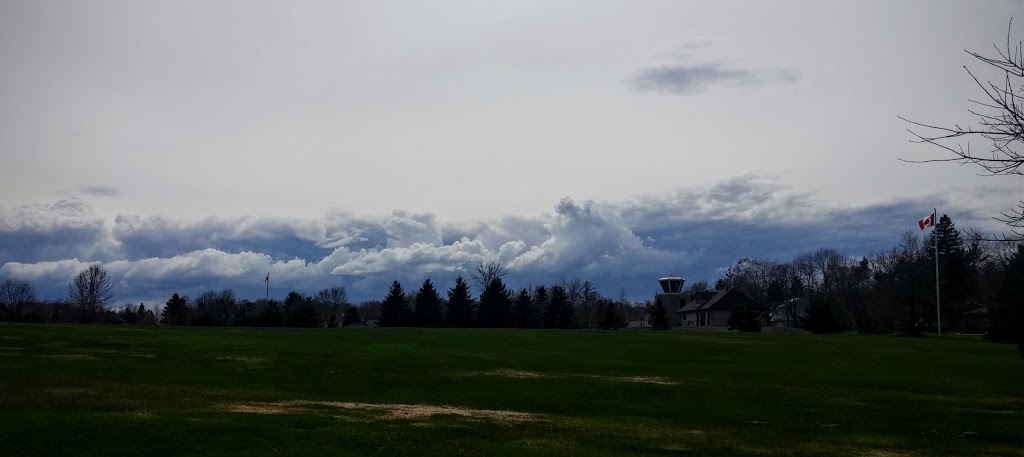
{"type": "Point", "coordinates": [327, 308]}
{"type": "Point", "coordinates": [573, 303]}
{"type": "Point", "coordinates": [893, 290]}
{"type": "Point", "coordinates": [824, 291]}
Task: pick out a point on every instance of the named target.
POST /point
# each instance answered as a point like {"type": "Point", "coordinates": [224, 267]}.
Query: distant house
{"type": "Point", "coordinates": [789, 314]}
{"type": "Point", "coordinates": [638, 323]}
{"type": "Point", "coordinates": [976, 320]}
{"type": "Point", "coordinates": [712, 308]}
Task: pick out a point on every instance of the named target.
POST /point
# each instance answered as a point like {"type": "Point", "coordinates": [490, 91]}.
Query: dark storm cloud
{"type": "Point", "coordinates": [99, 191]}
{"type": "Point", "coordinates": [145, 237]}
{"type": "Point", "coordinates": [65, 229]}
{"type": "Point", "coordinates": [694, 78]}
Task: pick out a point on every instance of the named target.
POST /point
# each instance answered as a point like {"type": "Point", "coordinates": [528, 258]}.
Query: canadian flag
{"type": "Point", "coordinates": [927, 222]}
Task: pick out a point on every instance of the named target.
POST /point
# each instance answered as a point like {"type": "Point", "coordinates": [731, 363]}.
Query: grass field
{"type": "Point", "coordinates": [105, 391]}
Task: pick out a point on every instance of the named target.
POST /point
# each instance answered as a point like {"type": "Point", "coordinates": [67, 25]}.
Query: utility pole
{"type": "Point", "coordinates": [938, 307]}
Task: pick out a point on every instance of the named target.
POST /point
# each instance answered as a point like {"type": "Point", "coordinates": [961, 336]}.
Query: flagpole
{"type": "Point", "coordinates": [938, 307]}
{"type": "Point", "coordinates": [268, 287]}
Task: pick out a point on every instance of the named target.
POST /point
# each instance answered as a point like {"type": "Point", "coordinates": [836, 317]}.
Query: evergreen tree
{"type": "Point", "coordinates": [557, 301]}
{"type": "Point", "coordinates": [721, 284]}
{"type": "Point", "coordinates": [524, 310]}
{"type": "Point", "coordinates": [956, 270]}
{"type": "Point", "coordinates": [495, 305]}
{"type": "Point", "coordinates": [611, 317]}
{"type": "Point", "coordinates": [175, 311]}
{"type": "Point", "coordinates": [128, 315]}
{"type": "Point", "coordinates": [351, 317]}
{"type": "Point", "coordinates": [300, 311]}
{"type": "Point", "coordinates": [1007, 311]}
{"type": "Point", "coordinates": [540, 305]}
{"type": "Point", "coordinates": [394, 311]}
{"type": "Point", "coordinates": [460, 305]}
{"type": "Point", "coordinates": [145, 316]}
{"type": "Point", "coordinates": [429, 311]}
{"type": "Point", "coordinates": [659, 320]}
{"type": "Point", "coordinates": [559, 312]}
{"type": "Point", "coordinates": [822, 317]}
{"type": "Point", "coordinates": [271, 316]}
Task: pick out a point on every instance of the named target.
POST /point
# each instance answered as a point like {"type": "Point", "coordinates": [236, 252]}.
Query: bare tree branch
{"type": "Point", "coordinates": [999, 122]}
{"type": "Point", "coordinates": [485, 273]}
{"type": "Point", "coordinates": [91, 291]}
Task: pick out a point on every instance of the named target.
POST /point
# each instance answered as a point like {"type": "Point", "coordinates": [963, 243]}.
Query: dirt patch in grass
{"type": "Point", "coordinates": [391, 411]}
{"type": "Point", "coordinates": [241, 359]}
{"type": "Point", "coordinates": [515, 374]}
{"type": "Point", "coordinates": [264, 408]}
{"type": "Point", "coordinates": [140, 415]}
{"type": "Point", "coordinates": [881, 453]}
{"type": "Point", "coordinates": [637, 379]}
{"type": "Point", "coordinates": [70, 356]}
{"type": "Point", "coordinates": [521, 374]}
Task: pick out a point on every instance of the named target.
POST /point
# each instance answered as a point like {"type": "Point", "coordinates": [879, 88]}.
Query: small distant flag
{"type": "Point", "coordinates": [268, 278]}
{"type": "Point", "coordinates": [926, 222]}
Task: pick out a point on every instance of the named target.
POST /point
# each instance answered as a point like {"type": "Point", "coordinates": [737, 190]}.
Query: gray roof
{"type": "Point", "coordinates": [722, 300]}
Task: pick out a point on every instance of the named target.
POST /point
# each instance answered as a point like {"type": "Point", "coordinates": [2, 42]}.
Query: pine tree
{"type": "Point", "coordinates": [524, 309]}
{"type": "Point", "coordinates": [611, 317]}
{"type": "Point", "coordinates": [351, 317]}
{"type": "Point", "coordinates": [540, 305]}
{"type": "Point", "coordinates": [460, 305]}
{"type": "Point", "coordinates": [145, 316]}
{"type": "Point", "coordinates": [956, 269]}
{"type": "Point", "coordinates": [175, 311]}
{"type": "Point", "coordinates": [744, 319]}
{"type": "Point", "coordinates": [659, 320]}
{"type": "Point", "coordinates": [1007, 311]}
{"type": "Point", "coordinates": [721, 284]}
{"type": "Point", "coordinates": [429, 311]}
{"type": "Point", "coordinates": [557, 309]}
{"type": "Point", "coordinates": [822, 316]}
{"type": "Point", "coordinates": [271, 316]}
{"type": "Point", "coordinates": [495, 305]}
{"type": "Point", "coordinates": [394, 310]}
{"type": "Point", "coordinates": [300, 311]}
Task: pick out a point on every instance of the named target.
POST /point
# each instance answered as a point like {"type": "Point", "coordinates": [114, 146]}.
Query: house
{"type": "Point", "coordinates": [712, 308]}
{"type": "Point", "coordinates": [976, 320]}
{"type": "Point", "coordinates": [789, 314]}
{"type": "Point", "coordinates": [638, 323]}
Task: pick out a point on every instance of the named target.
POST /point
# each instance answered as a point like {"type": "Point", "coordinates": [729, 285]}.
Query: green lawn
{"type": "Point", "coordinates": [104, 391]}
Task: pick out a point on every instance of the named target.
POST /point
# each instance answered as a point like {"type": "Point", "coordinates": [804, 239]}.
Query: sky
{"type": "Point", "coordinates": [196, 145]}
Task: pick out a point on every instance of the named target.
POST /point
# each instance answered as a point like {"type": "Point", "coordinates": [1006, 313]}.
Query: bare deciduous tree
{"type": "Point", "coordinates": [16, 295]}
{"type": "Point", "coordinates": [332, 303]}
{"type": "Point", "coordinates": [999, 122]}
{"type": "Point", "coordinates": [91, 291]}
{"type": "Point", "coordinates": [486, 273]}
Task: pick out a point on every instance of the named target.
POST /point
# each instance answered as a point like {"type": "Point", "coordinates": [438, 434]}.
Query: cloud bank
{"type": "Point", "coordinates": [623, 246]}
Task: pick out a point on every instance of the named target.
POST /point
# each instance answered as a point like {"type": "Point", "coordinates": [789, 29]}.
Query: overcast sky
{"type": "Point", "coordinates": [197, 144]}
